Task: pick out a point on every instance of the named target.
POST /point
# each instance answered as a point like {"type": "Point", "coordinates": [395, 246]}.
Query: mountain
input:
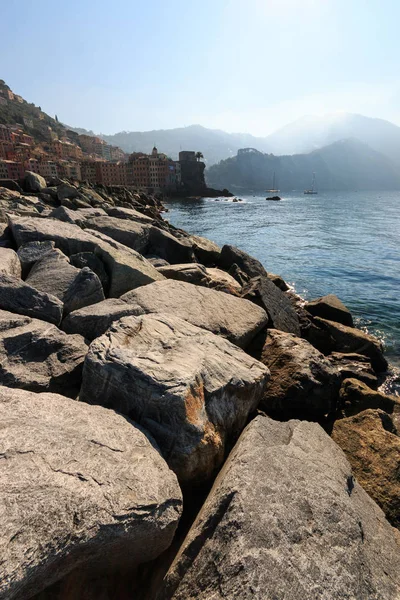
{"type": "Point", "coordinates": [343, 165]}
{"type": "Point", "coordinates": [311, 133]}
{"type": "Point", "coordinates": [213, 143]}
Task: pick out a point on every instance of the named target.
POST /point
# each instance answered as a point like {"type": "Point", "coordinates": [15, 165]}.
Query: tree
{"type": "Point", "coordinates": [56, 118]}
{"type": "Point", "coordinates": [199, 156]}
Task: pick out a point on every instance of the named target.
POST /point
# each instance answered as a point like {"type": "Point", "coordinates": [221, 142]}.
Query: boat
{"type": "Point", "coordinates": [313, 189]}
{"type": "Point", "coordinates": [273, 190]}
{"type": "Point", "coordinates": [275, 198]}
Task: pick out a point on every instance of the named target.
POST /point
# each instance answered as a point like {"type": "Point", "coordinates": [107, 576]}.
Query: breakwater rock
{"type": "Point", "coordinates": [145, 372]}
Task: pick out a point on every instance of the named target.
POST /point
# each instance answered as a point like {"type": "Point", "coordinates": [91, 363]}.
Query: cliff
{"type": "Point", "coordinates": [144, 369]}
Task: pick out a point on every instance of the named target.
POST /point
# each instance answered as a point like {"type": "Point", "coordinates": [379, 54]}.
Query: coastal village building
{"type": "Point", "coordinates": [83, 157]}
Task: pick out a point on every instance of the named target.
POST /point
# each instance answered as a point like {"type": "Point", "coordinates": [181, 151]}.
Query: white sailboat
{"type": "Point", "coordinates": [313, 189]}
{"type": "Point", "coordinates": [273, 190]}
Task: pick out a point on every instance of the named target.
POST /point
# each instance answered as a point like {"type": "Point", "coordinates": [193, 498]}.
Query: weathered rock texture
{"type": "Point", "coordinates": [94, 320]}
{"type": "Point", "coordinates": [74, 287]}
{"type": "Point", "coordinates": [372, 448]}
{"type": "Point", "coordinates": [9, 262]}
{"type": "Point", "coordinates": [37, 356]}
{"type": "Point", "coordinates": [331, 308]}
{"type": "Point", "coordinates": [23, 299]}
{"type": "Point", "coordinates": [130, 233]}
{"type": "Point", "coordinates": [191, 389]}
{"type": "Point", "coordinates": [31, 252]}
{"type": "Point", "coordinates": [356, 396]}
{"type": "Point", "coordinates": [201, 275]}
{"type": "Point", "coordinates": [78, 485]}
{"type": "Point", "coordinates": [234, 318]}
{"type": "Point", "coordinates": [350, 339]}
{"type": "Point", "coordinates": [264, 292]}
{"type": "Point", "coordinates": [355, 366]}
{"type": "Point", "coordinates": [285, 519]}
{"type": "Point", "coordinates": [303, 383]}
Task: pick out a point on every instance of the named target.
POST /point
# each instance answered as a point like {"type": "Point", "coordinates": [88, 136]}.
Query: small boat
{"type": "Point", "coordinates": [313, 189]}
{"type": "Point", "coordinates": [273, 190]}
{"type": "Point", "coordinates": [275, 198]}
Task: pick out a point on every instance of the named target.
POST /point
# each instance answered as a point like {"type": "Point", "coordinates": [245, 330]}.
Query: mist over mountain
{"type": "Point", "coordinates": [343, 165]}
{"type": "Point", "coordinates": [312, 132]}
{"type": "Point", "coordinates": [302, 136]}
{"type": "Point", "coordinates": [213, 143]}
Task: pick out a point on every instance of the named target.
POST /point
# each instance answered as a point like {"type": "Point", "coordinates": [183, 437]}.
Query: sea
{"type": "Point", "coordinates": [345, 243]}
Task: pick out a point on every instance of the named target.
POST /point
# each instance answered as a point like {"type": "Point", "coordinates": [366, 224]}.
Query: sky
{"type": "Point", "coordinates": [238, 65]}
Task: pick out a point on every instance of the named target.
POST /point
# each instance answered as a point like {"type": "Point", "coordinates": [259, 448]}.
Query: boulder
{"type": "Point", "coordinates": [222, 281]}
{"type": "Point", "coordinates": [234, 318]}
{"type": "Point", "coordinates": [81, 486]}
{"type": "Point", "coordinates": [132, 234]}
{"type": "Point", "coordinates": [279, 282]}
{"type": "Point", "coordinates": [372, 448]}
{"type": "Point", "coordinates": [286, 520]}
{"type": "Point", "coordinates": [94, 320]}
{"type": "Point", "coordinates": [31, 252]}
{"type": "Point", "coordinates": [69, 238]}
{"type": "Point", "coordinates": [21, 298]}
{"type": "Point", "coordinates": [65, 191]}
{"type": "Point", "coordinates": [127, 268]}
{"type": "Point", "coordinates": [349, 340]}
{"type": "Point", "coordinates": [128, 213]}
{"type": "Point", "coordinates": [6, 239]}
{"type": "Point", "coordinates": [77, 217]}
{"type": "Point", "coordinates": [189, 272]}
{"type": "Point", "coordinates": [280, 310]}
{"type": "Point", "coordinates": [156, 261]}
{"type": "Point", "coordinates": [74, 287]}
{"type": "Point", "coordinates": [303, 382]}
{"type": "Point", "coordinates": [37, 356]}
{"type": "Point", "coordinates": [355, 366]}
{"type": "Point", "coordinates": [331, 308]}
{"type": "Point", "coordinates": [191, 389]}
{"type": "Point", "coordinates": [356, 396]}
{"type": "Point", "coordinates": [33, 182]}
{"type": "Point", "coordinates": [233, 256]}
{"type": "Point", "coordinates": [206, 252]}
{"type": "Point", "coordinates": [94, 263]}
{"type": "Point", "coordinates": [9, 262]}
{"type": "Point", "coordinates": [167, 246]}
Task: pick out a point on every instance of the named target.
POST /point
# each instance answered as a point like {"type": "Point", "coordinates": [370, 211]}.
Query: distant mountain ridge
{"type": "Point", "coordinates": [344, 165]}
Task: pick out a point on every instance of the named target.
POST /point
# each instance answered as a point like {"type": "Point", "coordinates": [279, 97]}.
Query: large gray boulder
{"type": "Point", "coordinates": [81, 486]}
{"type": "Point", "coordinates": [230, 255]}
{"type": "Point", "coordinates": [281, 312]}
{"type": "Point", "coordinates": [285, 519]}
{"type": "Point", "coordinates": [331, 308]}
{"type": "Point", "coordinates": [74, 287]}
{"type": "Point", "coordinates": [21, 298]}
{"type": "Point", "coordinates": [31, 252]}
{"type": "Point", "coordinates": [94, 263]}
{"type": "Point", "coordinates": [200, 275]}
{"type": "Point", "coordinates": [9, 262]}
{"type": "Point", "coordinates": [206, 251]}
{"type": "Point", "coordinates": [191, 389]}
{"type": "Point", "coordinates": [132, 234]}
{"type": "Point", "coordinates": [94, 320]}
{"type": "Point", "coordinates": [352, 340]}
{"type": "Point", "coordinates": [69, 238]}
{"type": "Point", "coordinates": [128, 213]}
{"type": "Point", "coordinates": [37, 356]}
{"type": "Point", "coordinates": [127, 268]}
{"type": "Point", "coordinates": [303, 383]}
{"type": "Point", "coordinates": [33, 182]}
{"type": "Point", "coordinates": [165, 245]}
{"type": "Point", "coordinates": [234, 318]}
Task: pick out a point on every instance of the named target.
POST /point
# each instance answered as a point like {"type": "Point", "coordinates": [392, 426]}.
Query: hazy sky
{"type": "Point", "coordinates": [239, 65]}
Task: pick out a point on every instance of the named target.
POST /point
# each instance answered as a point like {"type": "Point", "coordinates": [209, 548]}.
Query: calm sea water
{"type": "Point", "coordinates": [342, 243]}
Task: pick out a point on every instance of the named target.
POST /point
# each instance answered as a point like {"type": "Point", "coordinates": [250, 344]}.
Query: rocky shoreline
{"type": "Point", "coordinates": [176, 423]}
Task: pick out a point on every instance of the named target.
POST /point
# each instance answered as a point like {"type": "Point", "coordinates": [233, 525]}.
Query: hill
{"type": "Point", "coordinates": [31, 117]}
{"type": "Point", "coordinates": [344, 165]}
{"type": "Point", "coordinates": [213, 143]}
{"type": "Point", "coordinates": [311, 133]}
